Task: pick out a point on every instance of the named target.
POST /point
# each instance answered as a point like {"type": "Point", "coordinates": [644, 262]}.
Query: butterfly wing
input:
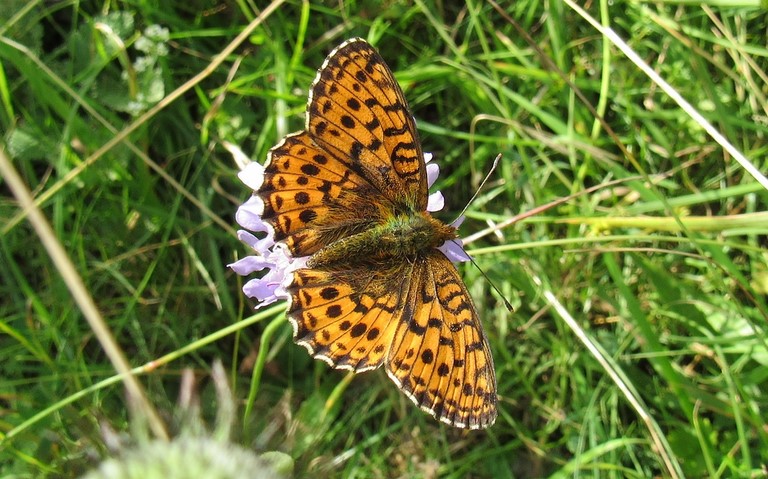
{"type": "Point", "coordinates": [313, 198]}
{"type": "Point", "coordinates": [358, 163]}
{"type": "Point", "coordinates": [440, 357]}
{"type": "Point", "coordinates": [357, 111]}
{"type": "Point", "coordinates": [417, 319]}
{"type": "Point", "coordinates": [347, 318]}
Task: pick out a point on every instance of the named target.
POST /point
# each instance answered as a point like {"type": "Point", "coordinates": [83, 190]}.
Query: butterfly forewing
{"type": "Point", "coordinates": [311, 197]}
{"type": "Point", "coordinates": [357, 111]}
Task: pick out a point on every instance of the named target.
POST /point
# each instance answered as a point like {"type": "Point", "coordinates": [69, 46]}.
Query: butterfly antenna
{"type": "Point", "coordinates": [507, 304]}
{"type": "Point", "coordinates": [490, 172]}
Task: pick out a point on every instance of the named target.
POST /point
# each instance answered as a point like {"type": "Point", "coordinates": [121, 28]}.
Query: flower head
{"type": "Point", "coordinates": [275, 257]}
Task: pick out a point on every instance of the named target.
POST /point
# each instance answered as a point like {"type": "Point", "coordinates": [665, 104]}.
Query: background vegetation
{"type": "Point", "coordinates": [637, 346]}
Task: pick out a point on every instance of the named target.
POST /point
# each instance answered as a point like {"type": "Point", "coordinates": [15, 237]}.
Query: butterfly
{"type": "Point", "coordinates": [351, 243]}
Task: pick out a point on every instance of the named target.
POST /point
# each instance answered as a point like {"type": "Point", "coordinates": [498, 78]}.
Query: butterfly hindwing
{"type": "Point", "coordinates": [418, 321]}
{"type": "Point", "coordinates": [346, 319]}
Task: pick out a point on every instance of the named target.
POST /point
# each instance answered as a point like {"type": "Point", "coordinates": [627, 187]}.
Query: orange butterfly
{"type": "Point", "coordinates": [351, 244]}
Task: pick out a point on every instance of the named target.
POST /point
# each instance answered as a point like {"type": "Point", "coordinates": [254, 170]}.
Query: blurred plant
{"type": "Point", "coordinates": [195, 452]}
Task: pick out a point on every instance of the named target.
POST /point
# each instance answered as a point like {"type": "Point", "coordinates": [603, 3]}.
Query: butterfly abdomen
{"type": "Point", "coordinates": [407, 236]}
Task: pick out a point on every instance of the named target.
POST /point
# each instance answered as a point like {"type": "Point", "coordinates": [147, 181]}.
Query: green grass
{"type": "Point", "coordinates": [637, 346]}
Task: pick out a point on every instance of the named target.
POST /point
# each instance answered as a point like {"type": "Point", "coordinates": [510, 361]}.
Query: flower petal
{"type": "Point", "coordinates": [241, 159]}
{"type": "Point", "coordinates": [458, 221]}
{"type": "Point", "coordinates": [249, 215]}
{"type": "Point", "coordinates": [454, 251]}
{"type": "Point", "coordinates": [247, 238]}
{"type": "Point", "coordinates": [249, 265]}
{"type": "Point", "coordinates": [433, 171]}
{"type": "Point", "coordinates": [435, 202]}
{"type": "Point", "coordinates": [262, 290]}
{"type": "Point", "coordinates": [252, 175]}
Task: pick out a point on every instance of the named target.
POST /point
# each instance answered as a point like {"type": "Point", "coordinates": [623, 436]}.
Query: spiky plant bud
{"type": "Point", "coordinates": [191, 457]}
{"type": "Point", "coordinates": [196, 452]}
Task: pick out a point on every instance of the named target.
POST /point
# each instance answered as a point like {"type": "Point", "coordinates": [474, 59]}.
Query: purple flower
{"type": "Point", "coordinates": [275, 257]}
